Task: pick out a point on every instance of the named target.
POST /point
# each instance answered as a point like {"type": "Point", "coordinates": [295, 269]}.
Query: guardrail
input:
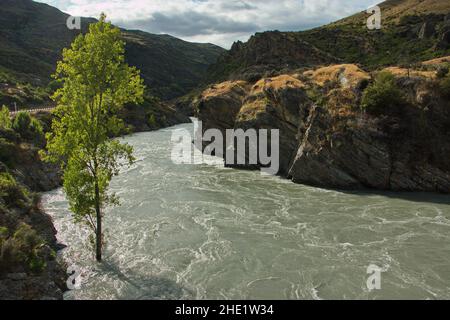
{"type": "Point", "coordinates": [44, 109]}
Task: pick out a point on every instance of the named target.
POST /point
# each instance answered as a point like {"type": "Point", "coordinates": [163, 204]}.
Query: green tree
{"type": "Point", "coordinates": [96, 84]}
{"type": "Point", "coordinates": [5, 119]}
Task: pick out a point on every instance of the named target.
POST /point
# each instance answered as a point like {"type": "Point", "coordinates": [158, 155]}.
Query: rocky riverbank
{"type": "Point", "coordinates": [328, 140]}
{"type": "Point", "coordinates": [29, 268]}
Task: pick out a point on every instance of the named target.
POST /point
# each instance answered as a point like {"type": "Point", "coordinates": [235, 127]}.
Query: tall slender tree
{"type": "Point", "coordinates": [96, 84]}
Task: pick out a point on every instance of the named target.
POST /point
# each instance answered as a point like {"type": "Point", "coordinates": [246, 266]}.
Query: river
{"type": "Point", "coordinates": [209, 232]}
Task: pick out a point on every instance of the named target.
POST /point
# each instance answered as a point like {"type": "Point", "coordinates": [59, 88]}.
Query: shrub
{"type": "Point", "coordinates": [444, 86]}
{"type": "Point", "coordinates": [27, 126]}
{"type": "Point", "coordinates": [152, 121]}
{"type": "Point", "coordinates": [441, 72]}
{"type": "Point", "coordinates": [10, 191]}
{"type": "Point", "coordinates": [7, 151]}
{"type": "Point", "coordinates": [5, 119]}
{"type": "Point", "coordinates": [24, 248]}
{"type": "Point", "coordinates": [383, 95]}
{"type": "Point", "coordinates": [54, 85]}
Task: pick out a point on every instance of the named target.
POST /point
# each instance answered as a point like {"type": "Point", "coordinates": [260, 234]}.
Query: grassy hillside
{"type": "Point", "coordinates": [33, 34]}
{"type": "Point", "coordinates": [412, 31]}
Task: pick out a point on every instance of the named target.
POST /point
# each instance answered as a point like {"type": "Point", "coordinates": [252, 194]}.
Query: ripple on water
{"type": "Point", "coordinates": [205, 231]}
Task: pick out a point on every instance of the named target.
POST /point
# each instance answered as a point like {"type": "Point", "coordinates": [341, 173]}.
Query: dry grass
{"type": "Point", "coordinates": [395, 9]}
{"type": "Point", "coordinates": [437, 61]}
{"type": "Point", "coordinates": [276, 83]}
{"type": "Point", "coordinates": [348, 75]}
{"type": "Point", "coordinates": [224, 88]}
{"type": "Point", "coordinates": [250, 110]}
{"type": "Point", "coordinates": [403, 72]}
{"type": "Point", "coordinates": [341, 102]}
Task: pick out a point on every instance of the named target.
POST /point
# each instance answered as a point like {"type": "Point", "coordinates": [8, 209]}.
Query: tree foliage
{"type": "Point", "coordinates": [383, 95]}
{"type": "Point", "coordinates": [96, 84]}
{"type": "Point", "coordinates": [5, 119]}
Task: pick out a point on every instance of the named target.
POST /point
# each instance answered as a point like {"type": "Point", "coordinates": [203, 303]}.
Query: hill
{"type": "Point", "coordinates": [32, 36]}
{"type": "Point", "coordinates": [412, 31]}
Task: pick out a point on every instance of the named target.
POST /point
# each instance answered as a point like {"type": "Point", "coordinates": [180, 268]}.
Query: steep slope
{"type": "Point", "coordinates": [170, 67]}
{"type": "Point", "coordinates": [412, 31]}
{"type": "Point", "coordinates": [265, 53]}
{"type": "Point", "coordinates": [394, 10]}
{"type": "Point", "coordinates": [33, 34]}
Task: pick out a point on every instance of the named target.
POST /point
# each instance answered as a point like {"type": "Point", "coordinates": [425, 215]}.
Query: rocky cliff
{"type": "Point", "coordinates": [327, 140]}
{"type": "Point", "coordinates": [28, 265]}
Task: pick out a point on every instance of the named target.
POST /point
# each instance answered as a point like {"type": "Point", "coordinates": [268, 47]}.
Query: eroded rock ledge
{"type": "Point", "coordinates": [326, 140]}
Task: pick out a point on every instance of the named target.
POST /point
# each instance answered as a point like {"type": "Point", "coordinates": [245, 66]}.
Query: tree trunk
{"type": "Point", "coordinates": [99, 224]}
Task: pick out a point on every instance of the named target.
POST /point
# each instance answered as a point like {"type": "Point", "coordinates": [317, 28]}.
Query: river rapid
{"type": "Point", "coordinates": [208, 232]}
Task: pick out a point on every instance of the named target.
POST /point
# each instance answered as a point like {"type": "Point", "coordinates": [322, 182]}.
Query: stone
{"type": "Point", "coordinates": [427, 30]}
{"type": "Point", "coordinates": [16, 276]}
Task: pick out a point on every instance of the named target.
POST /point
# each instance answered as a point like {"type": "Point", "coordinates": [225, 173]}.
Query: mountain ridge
{"type": "Point", "coordinates": [33, 35]}
{"type": "Point", "coordinates": [406, 37]}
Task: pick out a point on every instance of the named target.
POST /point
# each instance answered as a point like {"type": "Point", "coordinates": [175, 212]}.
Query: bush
{"type": "Point", "coordinates": [54, 85]}
{"type": "Point", "coordinates": [7, 151]}
{"type": "Point", "coordinates": [28, 127]}
{"type": "Point", "coordinates": [24, 249]}
{"type": "Point", "coordinates": [5, 118]}
{"type": "Point", "coordinates": [383, 95]}
{"type": "Point", "coordinates": [152, 121]}
{"type": "Point", "coordinates": [441, 72]}
{"type": "Point", "coordinates": [444, 86]}
{"type": "Point", "coordinates": [11, 192]}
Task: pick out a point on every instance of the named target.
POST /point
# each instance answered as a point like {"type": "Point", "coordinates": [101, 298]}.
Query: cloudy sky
{"type": "Point", "coordinates": [217, 21]}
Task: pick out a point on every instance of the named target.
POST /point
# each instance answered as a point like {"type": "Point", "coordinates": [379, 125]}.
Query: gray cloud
{"type": "Point", "coordinates": [216, 21]}
{"type": "Point", "coordinates": [190, 23]}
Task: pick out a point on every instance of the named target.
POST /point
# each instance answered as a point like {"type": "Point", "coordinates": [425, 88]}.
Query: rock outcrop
{"type": "Point", "coordinates": [278, 102]}
{"type": "Point", "coordinates": [327, 141]}
{"type": "Point", "coordinates": [267, 54]}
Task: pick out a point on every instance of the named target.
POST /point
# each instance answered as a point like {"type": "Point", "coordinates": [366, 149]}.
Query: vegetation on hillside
{"type": "Point", "coordinates": [383, 95]}
{"type": "Point", "coordinates": [21, 248]}
{"type": "Point", "coordinates": [412, 31]}
{"type": "Point", "coordinates": [33, 35]}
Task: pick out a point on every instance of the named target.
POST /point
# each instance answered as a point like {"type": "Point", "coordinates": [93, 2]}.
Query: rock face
{"type": "Point", "coordinates": [444, 41]}
{"type": "Point", "coordinates": [280, 103]}
{"type": "Point", "coordinates": [265, 53]}
{"type": "Point", "coordinates": [326, 141]}
{"type": "Point", "coordinates": [340, 160]}
{"type": "Point", "coordinates": [37, 175]}
{"type": "Point", "coordinates": [220, 104]}
{"type": "Point", "coordinates": [48, 284]}
{"type": "Point", "coordinates": [427, 30]}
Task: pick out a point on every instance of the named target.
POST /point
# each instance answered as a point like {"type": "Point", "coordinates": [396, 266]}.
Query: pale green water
{"type": "Point", "coordinates": [206, 232]}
